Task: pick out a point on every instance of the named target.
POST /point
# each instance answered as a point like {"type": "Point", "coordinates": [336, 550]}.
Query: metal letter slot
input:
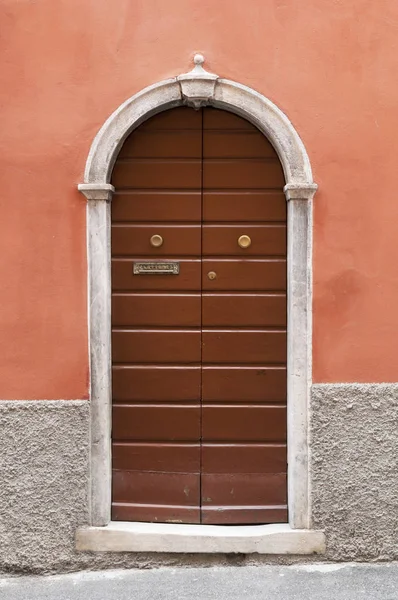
{"type": "Point", "coordinates": [156, 268]}
{"type": "Point", "coordinates": [244, 241]}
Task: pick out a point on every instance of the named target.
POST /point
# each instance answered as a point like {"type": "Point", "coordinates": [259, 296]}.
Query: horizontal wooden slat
{"type": "Point", "coordinates": [237, 489]}
{"type": "Point", "coordinates": [182, 310]}
{"type": "Point", "coordinates": [249, 423]}
{"type": "Point", "coordinates": [244, 274]}
{"type": "Point", "coordinates": [238, 458]}
{"type": "Point", "coordinates": [156, 423]}
{"type": "Point", "coordinates": [157, 174]}
{"type": "Point", "coordinates": [246, 310]}
{"type": "Point", "coordinates": [135, 240]}
{"type": "Point", "coordinates": [156, 346]}
{"type": "Point", "coordinates": [123, 278]}
{"type": "Point", "coordinates": [213, 118]}
{"type": "Point", "coordinates": [243, 347]}
{"type": "Point", "coordinates": [244, 206]}
{"type": "Point", "coordinates": [156, 383]}
{"type": "Point", "coordinates": [239, 174]}
{"type": "Point", "coordinates": [251, 384]}
{"type": "Point", "coordinates": [163, 144]}
{"type": "Point", "coordinates": [242, 515]}
{"type": "Point", "coordinates": [166, 458]}
{"type": "Point", "coordinates": [155, 513]}
{"type": "Point", "coordinates": [265, 240]}
{"type": "Point", "coordinates": [236, 144]}
{"type": "Point", "coordinates": [177, 118]}
{"type": "Point", "coordinates": [156, 488]}
{"type": "Point", "coordinates": [164, 206]}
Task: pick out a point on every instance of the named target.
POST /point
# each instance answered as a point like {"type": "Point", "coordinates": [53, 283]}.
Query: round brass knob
{"type": "Point", "coordinates": [244, 241]}
{"type": "Point", "coordinates": [156, 241]}
{"type": "Point", "coordinates": [211, 275]}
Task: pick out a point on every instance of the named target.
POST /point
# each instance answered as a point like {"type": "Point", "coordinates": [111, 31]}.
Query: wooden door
{"type": "Point", "coordinates": [199, 358]}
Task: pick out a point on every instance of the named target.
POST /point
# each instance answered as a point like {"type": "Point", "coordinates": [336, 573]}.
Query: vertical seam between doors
{"type": "Point", "coordinates": [201, 320]}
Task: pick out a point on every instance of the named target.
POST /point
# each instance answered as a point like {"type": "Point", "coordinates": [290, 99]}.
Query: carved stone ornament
{"type": "Point", "coordinates": [197, 86]}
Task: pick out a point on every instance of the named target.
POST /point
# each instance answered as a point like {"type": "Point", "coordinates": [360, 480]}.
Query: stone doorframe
{"type": "Point", "coordinates": [196, 89]}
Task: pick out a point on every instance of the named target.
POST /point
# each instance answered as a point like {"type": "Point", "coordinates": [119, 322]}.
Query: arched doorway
{"type": "Point", "coordinates": [199, 352]}
{"type": "Point", "coordinates": [199, 88]}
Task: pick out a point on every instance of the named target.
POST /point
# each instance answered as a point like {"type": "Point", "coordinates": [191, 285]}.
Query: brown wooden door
{"type": "Point", "coordinates": [199, 358]}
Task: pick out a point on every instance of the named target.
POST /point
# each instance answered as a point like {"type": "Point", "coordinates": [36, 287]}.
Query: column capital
{"type": "Point", "coordinates": [300, 191]}
{"type": "Point", "coordinates": [97, 191]}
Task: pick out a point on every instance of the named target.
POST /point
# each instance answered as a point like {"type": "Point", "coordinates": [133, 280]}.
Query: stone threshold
{"type": "Point", "coordinates": [168, 537]}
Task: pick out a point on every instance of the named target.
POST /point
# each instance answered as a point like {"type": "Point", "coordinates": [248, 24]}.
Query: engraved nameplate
{"type": "Point", "coordinates": [156, 268]}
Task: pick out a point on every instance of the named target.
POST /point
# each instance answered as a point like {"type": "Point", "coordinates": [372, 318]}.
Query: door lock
{"type": "Point", "coordinates": [211, 275]}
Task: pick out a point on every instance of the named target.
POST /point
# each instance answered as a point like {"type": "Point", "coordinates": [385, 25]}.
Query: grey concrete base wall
{"type": "Point", "coordinates": [44, 482]}
{"type": "Point", "coordinates": [354, 469]}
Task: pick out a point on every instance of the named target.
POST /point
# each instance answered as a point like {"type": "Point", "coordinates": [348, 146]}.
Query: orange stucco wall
{"type": "Point", "coordinates": [67, 64]}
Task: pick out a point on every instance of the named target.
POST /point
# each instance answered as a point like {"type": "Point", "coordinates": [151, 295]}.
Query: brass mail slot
{"type": "Point", "coordinates": [156, 268]}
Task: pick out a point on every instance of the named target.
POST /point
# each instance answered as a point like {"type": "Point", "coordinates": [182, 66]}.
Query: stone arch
{"type": "Point", "coordinates": [199, 88]}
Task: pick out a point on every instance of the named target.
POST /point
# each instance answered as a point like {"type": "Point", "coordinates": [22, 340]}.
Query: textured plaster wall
{"type": "Point", "coordinates": [43, 481]}
{"type": "Point", "coordinates": [354, 469]}
{"type": "Point", "coordinates": [44, 472]}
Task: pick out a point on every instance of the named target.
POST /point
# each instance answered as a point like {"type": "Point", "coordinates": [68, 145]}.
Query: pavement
{"type": "Point", "coordinates": [304, 582]}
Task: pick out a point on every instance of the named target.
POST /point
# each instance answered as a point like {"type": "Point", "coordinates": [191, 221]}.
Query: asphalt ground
{"type": "Point", "coordinates": [306, 582]}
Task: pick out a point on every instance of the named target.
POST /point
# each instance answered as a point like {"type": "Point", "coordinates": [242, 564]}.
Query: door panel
{"type": "Point", "coordinates": [135, 240]}
{"type": "Point", "coordinates": [237, 458]}
{"type": "Point", "coordinates": [244, 206]}
{"type": "Point", "coordinates": [158, 173]}
{"type": "Point", "coordinates": [163, 346]}
{"type": "Point", "coordinates": [266, 240]}
{"type": "Point", "coordinates": [233, 174]}
{"type": "Point", "coordinates": [237, 144]}
{"type": "Point", "coordinates": [241, 515]}
{"type": "Point", "coordinates": [183, 143]}
{"type": "Point", "coordinates": [214, 119]}
{"type": "Point", "coordinates": [237, 346]}
{"type": "Point", "coordinates": [251, 275]}
{"type": "Point", "coordinates": [255, 384]}
{"type": "Point", "coordinates": [170, 496]}
{"type": "Point", "coordinates": [243, 489]}
{"type": "Point", "coordinates": [199, 362]}
{"type": "Point", "coordinates": [157, 513]}
{"type": "Point", "coordinates": [244, 326]}
{"type": "Point", "coordinates": [242, 497]}
{"type": "Point", "coordinates": [156, 383]}
{"type": "Point", "coordinates": [185, 458]}
{"type": "Point", "coordinates": [174, 488]}
{"type": "Point", "coordinates": [156, 206]}
{"type": "Point", "coordinates": [174, 120]}
{"type": "Point", "coordinates": [169, 310]}
{"type": "Point", "coordinates": [244, 310]}
{"type": "Point", "coordinates": [156, 422]}
{"type": "Point", "coordinates": [247, 423]}
{"type": "Point", "coordinates": [123, 278]}
{"type": "Point", "coordinates": [156, 322]}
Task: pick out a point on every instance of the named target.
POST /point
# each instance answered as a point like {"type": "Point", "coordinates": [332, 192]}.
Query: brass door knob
{"type": "Point", "coordinates": [156, 241]}
{"type": "Point", "coordinates": [211, 275]}
{"type": "Point", "coordinates": [244, 241]}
